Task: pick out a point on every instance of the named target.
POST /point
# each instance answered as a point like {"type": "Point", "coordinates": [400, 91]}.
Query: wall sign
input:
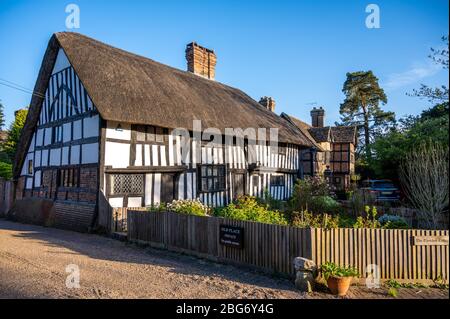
{"type": "Point", "coordinates": [231, 236]}
{"type": "Point", "coordinates": [430, 240]}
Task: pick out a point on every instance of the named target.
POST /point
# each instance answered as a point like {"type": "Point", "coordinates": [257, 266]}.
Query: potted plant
{"type": "Point", "coordinates": [338, 278]}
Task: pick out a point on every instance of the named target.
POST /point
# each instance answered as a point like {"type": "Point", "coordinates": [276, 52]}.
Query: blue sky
{"type": "Point", "coordinates": [298, 52]}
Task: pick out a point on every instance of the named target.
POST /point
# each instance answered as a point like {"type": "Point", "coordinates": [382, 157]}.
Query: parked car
{"type": "Point", "coordinates": [383, 190]}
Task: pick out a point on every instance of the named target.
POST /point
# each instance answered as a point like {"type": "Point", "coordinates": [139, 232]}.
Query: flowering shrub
{"type": "Point", "coordinates": [248, 208]}
{"type": "Point", "coordinates": [189, 207]}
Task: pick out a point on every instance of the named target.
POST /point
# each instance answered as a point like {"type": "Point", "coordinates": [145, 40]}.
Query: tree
{"type": "Point", "coordinates": [439, 94]}
{"type": "Point", "coordinates": [361, 106]}
{"type": "Point", "coordinates": [410, 132]}
{"type": "Point", "coordinates": [14, 132]}
{"type": "Point", "coordinates": [424, 176]}
{"type": "Point", "coordinates": [2, 116]}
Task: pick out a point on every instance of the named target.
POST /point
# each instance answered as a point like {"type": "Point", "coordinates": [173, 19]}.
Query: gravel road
{"type": "Point", "coordinates": [33, 263]}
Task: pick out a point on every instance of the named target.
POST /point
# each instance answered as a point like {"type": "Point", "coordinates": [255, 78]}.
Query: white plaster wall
{"type": "Point", "coordinates": [29, 183]}
{"type": "Point", "coordinates": [122, 134]}
{"type": "Point", "coordinates": [89, 153]}
{"type": "Point", "coordinates": [67, 134]}
{"type": "Point", "coordinates": [39, 137]}
{"type": "Point", "coordinates": [116, 202]}
{"type": "Point", "coordinates": [44, 157]}
{"type": "Point", "coordinates": [65, 156]}
{"type": "Point", "coordinates": [134, 201]}
{"type": "Point", "coordinates": [37, 179]}
{"type": "Point", "coordinates": [37, 158]}
{"type": "Point", "coordinates": [61, 62]}
{"type": "Point", "coordinates": [117, 155]}
{"type": "Point", "coordinates": [55, 157]}
{"type": "Point", "coordinates": [90, 126]}
{"type": "Point", "coordinates": [77, 130]}
{"type": "Point", "coordinates": [75, 155]}
{"type": "Point", "coordinates": [48, 136]}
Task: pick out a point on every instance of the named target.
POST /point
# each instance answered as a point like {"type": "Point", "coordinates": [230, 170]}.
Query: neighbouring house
{"type": "Point", "coordinates": [334, 148]}
{"type": "Point", "coordinates": [102, 134]}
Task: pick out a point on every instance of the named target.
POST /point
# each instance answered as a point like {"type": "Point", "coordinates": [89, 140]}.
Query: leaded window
{"type": "Point", "coordinates": [212, 178]}
{"type": "Point", "coordinates": [122, 184]}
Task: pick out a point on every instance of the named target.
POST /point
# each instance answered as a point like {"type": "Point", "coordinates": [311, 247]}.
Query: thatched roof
{"type": "Point", "coordinates": [335, 134]}
{"type": "Point", "coordinates": [130, 88]}
{"type": "Point", "coordinates": [303, 127]}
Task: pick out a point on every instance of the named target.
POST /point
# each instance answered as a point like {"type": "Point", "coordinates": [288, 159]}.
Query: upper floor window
{"type": "Point", "coordinates": [212, 178]}
{"type": "Point", "coordinates": [30, 167]}
{"type": "Point", "coordinates": [57, 135]}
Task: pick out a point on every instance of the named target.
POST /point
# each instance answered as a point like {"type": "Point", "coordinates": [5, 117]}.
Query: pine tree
{"type": "Point", "coordinates": [361, 106]}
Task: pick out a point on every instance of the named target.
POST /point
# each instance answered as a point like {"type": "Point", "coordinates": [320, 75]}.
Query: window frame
{"type": "Point", "coordinates": [278, 178]}
{"type": "Point", "coordinates": [69, 177]}
{"type": "Point", "coordinates": [221, 168]}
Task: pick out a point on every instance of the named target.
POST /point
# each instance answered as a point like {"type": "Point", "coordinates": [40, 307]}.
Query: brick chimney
{"type": "Point", "coordinates": [317, 117]}
{"type": "Point", "coordinates": [268, 103]}
{"type": "Point", "coordinates": [201, 61]}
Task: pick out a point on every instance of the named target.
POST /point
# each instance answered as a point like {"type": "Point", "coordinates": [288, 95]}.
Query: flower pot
{"type": "Point", "coordinates": [339, 285]}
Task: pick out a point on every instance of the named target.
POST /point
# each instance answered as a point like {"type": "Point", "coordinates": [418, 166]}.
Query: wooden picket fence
{"type": "Point", "coordinates": [392, 251]}
{"type": "Point", "coordinates": [272, 247]}
{"type": "Point", "coordinates": [268, 247]}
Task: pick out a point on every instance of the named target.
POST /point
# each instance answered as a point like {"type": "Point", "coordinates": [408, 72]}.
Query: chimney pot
{"type": "Point", "coordinates": [201, 61]}
{"type": "Point", "coordinates": [268, 103]}
{"type": "Point", "coordinates": [317, 117]}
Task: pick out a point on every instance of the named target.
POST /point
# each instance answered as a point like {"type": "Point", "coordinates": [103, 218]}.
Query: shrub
{"type": "Point", "coordinates": [159, 207]}
{"type": "Point", "coordinates": [189, 207]}
{"type": "Point", "coordinates": [330, 269]}
{"type": "Point", "coordinates": [307, 219]}
{"type": "Point", "coordinates": [248, 208]}
{"type": "Point", "coordinates": [5, 170]}
{"type": "Point", "coordinates": [313, 194]}
{"type": "Point", "coordinates": [370, 220]}
{"type": "Point", "coordinates": [393, 222]}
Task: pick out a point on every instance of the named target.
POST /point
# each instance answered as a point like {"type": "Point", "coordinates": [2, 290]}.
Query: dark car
{"type": "Point", "coordinates": [382, 189]}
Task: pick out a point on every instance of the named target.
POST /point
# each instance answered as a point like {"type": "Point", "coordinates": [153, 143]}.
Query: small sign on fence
{"type": "Point", "coordinates": [231, 236]}
{"type": "Point", "coordinates": [430, 240]}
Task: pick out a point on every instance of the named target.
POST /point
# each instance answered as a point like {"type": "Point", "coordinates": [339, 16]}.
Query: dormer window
{"type": "Point", "coordinates": [119, 128]}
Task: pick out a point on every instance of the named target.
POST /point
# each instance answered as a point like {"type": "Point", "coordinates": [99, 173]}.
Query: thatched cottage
{"type": "Point", "coordinates": [99, 134]}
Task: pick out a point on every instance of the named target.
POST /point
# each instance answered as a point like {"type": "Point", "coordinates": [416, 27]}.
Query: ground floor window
{"type": "Point", "coordinates": [69, 177]}
{"type": "Point", "coordinates": [212, 178]}
{"type": "Point", "coordinates": [277, 180]}
{"type": "Point", "coordinates": [122, 184]}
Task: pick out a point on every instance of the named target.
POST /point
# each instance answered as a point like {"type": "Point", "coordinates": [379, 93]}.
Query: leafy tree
{"type": "Point", "coordinates": [2, 116]}
{"type": "Point", "coordinates": [409, 133]}
{"type": "Point", "coordinates": [14, 133]}
{"type": "Point", "coordinates": [361, 106]}
{"type": "Point", "coordinates": [438, 94]}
